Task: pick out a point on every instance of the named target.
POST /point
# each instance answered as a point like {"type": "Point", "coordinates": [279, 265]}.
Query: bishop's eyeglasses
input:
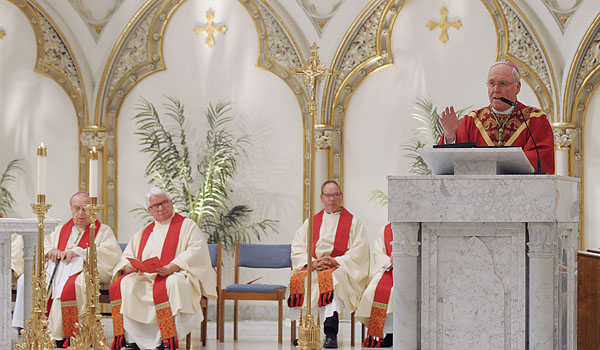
{"type": "Point", "coordinates": [501, 84]}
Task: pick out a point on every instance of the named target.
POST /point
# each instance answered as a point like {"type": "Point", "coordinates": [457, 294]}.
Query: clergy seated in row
{"type": "Point", "coordinates": [502, 123]}
{"type": "Point", "coordinates": [155, 310]}
{"type": "Point", "coordinates": [340, 262]}
{"type": "Point", "coordinates": [376, 305]}
{"type": "Point", "coordinates": [65, 249]}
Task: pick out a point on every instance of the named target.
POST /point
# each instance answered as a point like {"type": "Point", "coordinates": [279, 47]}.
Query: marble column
{"type": "Point", "coordinates": [28, 229]}
{"type": "Point", "coordinates": [541, 253]}
{"type": "Point", "coordinates": [5, 284]}
{"type": "Point", "coordinates": [405, 250]}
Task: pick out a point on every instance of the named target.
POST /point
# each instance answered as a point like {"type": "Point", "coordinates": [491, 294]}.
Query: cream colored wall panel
{"type": "Point", "coordinates": [591, 185]}
{"type": "Point", "coordinates": [33, 108]}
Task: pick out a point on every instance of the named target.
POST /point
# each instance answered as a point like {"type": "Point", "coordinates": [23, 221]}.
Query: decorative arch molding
{"type": "Point", "coordinates": [280, 54]}
{"type": "Point", "coordinates": [55, 58]}
{"type": "Point", "coordinates": [364, 49]}
{"type": "Point", "coordinates": [519, 42]}
{"type": "Point", "coordinates": [136, 55]}
{"type": "Point", "coordinates": [583, 80]}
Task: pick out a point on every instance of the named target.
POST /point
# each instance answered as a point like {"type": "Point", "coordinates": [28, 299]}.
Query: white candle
{"type": "Point", "coordinates": [42, 152]}
{"type": "Point", "coordinates": [93, 184]}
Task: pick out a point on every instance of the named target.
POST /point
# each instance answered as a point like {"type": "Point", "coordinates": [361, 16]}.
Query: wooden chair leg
{"type": "Point", "coordinates": [221, 320]}
{"type": "Point", "coordinates": [235, 319]}
{"type": "Point", "coordinates": [362, 333]}
{"type": "Point", "coordinates": [203, 324]}
{"type": "Point", "coordinates": [352, 329]}
{"type": "Point", "coordinates": [292, 331]}
{"type": "Point", "coordinates": [280, 326]}
{"type": "Point", "coordinates": [218, 313]}
{"type": "Point", "coordinates": [188, 341]}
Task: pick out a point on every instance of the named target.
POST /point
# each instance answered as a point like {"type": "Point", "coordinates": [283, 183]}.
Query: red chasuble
{"type": "Point", "coordinates": [324, 278]}
{"type": "Point", "coordinates": [68, 300]}
{"type": "Point", "coordinates": [381, 298]}
{"type": "Point", "coordinates": [481, 127]}
{"type": "Point", "coordinates": [164, 314]}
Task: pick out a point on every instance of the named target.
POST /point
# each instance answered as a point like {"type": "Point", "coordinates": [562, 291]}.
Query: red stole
{"type": "Point", "coordinates": [68, 299]}
{"type": "Point", "coordinates": [164, 315]}
{"type": "Point", "coordinates": [324, 278]}
{"type": "Point", "coordinates": [381, 298]}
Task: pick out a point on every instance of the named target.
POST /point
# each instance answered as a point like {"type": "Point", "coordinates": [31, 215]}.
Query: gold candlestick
{"type": "Point", "coordinates": [91, 330]}
{"type": "Point", "coordinates": [37, 336]}
{"type": "Point", "coordinates": [313, 71]}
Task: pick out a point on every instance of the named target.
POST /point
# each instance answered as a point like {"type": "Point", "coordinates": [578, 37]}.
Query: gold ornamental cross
{"type": "Point", "coordinates": [444, 25]}
{"type": "Point", "coordinates": [210, 29]}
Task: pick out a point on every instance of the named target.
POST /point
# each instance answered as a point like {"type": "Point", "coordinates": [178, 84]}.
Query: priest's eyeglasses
{"type": "Point", "coordinates": [160, 205]}
{"type": "Point", "coordinates": [501, 84]}
{"type": "Point", "coordinates": [332, 195]}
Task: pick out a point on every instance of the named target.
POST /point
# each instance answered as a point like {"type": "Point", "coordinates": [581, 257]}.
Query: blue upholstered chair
{"type": "Point", "coordinates": [214, 249]}
{"type": "Point", "coordinates": [258, 256]}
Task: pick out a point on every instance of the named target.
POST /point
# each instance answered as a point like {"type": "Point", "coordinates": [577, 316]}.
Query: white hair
{"type": "Point", "coordinates": [515, 72]}
{"type": "Point", "coordinates": [155, 191]}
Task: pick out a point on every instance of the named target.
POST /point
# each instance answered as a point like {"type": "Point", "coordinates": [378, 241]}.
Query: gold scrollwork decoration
{"type": "Point", "coordinates": [365, 48]}
{"type": "Point", "coordinates": [2, 34]}
{"type": "Point", "coordinates": [136, 55]}
{"type": "Point", "coordinates": [583, 80]}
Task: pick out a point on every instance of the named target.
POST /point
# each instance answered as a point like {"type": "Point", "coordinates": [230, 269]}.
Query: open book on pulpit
{"type": "Point", "coordinates": [476, 160]}
{"type": "Point", "coordinates": [149, 265]}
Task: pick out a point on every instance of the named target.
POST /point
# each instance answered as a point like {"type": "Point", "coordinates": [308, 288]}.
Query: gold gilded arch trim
{"type": "Point", "coordinates": [583, 80]}
{"type": "Point", "coordinates": [357, 57]}
{"type": "Point", "coordinates": [55, 59]}
{"type": "Point", "coordinates": [279, 53]}
{"type": "Point", "coordinates": [519, 42]}
{"type": "Point", "coordinates": [137, 54]}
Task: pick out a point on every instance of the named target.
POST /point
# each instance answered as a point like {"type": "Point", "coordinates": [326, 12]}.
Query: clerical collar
{"type": "Point", "coordinates": [335, 212]}
{"type": "Point", "coordinates": [508, 111]}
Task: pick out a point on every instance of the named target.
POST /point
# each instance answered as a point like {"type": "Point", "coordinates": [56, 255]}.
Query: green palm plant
{"type": "Point", "coordinates": [429, 133]}
{"type": "Point", "coordinates": [7, 201]}
{"type": "Point", "coordinates": [201, 195]}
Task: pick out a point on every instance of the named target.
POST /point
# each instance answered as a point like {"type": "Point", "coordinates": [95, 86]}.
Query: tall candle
{"type": "Point", "coordinates": [93, 173]}
{"type": "Point", "coordinates": [42, 153]}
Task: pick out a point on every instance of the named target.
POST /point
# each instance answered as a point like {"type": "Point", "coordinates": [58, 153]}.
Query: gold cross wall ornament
{"type": "Point", "coordinates": [2, 34]}
{"type": "Point", "coordinates": [444, 24]}
{"type": "Point", "coordinates": [210, 29]}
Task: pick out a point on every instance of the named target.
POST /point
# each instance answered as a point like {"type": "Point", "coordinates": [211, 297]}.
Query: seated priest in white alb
{"type": "Point", "coordinates": [376, 307]}
{"type": "Point", "coordinates": [340, 262]}
{"type": "Point", "coordinates": [156, 309]}
{"type": "Point", "coordinates": [65, 249]}
{"type": "Point", "coordinates": [17, 265]}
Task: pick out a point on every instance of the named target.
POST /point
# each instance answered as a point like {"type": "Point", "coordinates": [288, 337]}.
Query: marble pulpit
{"type": "Point", "coordinates": [484, 261]}
{"type": "Point", "coordinates": [28, 228]}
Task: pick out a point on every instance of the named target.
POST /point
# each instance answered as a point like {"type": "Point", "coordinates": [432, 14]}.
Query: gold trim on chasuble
{"type": "Point", "coordinates": [489, 129]}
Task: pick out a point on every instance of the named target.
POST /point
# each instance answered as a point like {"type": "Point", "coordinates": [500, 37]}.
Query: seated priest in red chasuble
{"type": "Point", "coordinates": [340, 262]}
{"type": "Point", "coordinates": [376, 306]}
{"type": "Point", "coordinates": [65, 249]}
{"type": "Point", "coordinates": [502, 122]}
{"type": "Point", "coordinates": [157, 308]}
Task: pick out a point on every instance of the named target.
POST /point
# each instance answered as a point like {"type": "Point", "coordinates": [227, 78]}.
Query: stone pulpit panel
{"type": "Point", "coordinates": [484, 261]}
